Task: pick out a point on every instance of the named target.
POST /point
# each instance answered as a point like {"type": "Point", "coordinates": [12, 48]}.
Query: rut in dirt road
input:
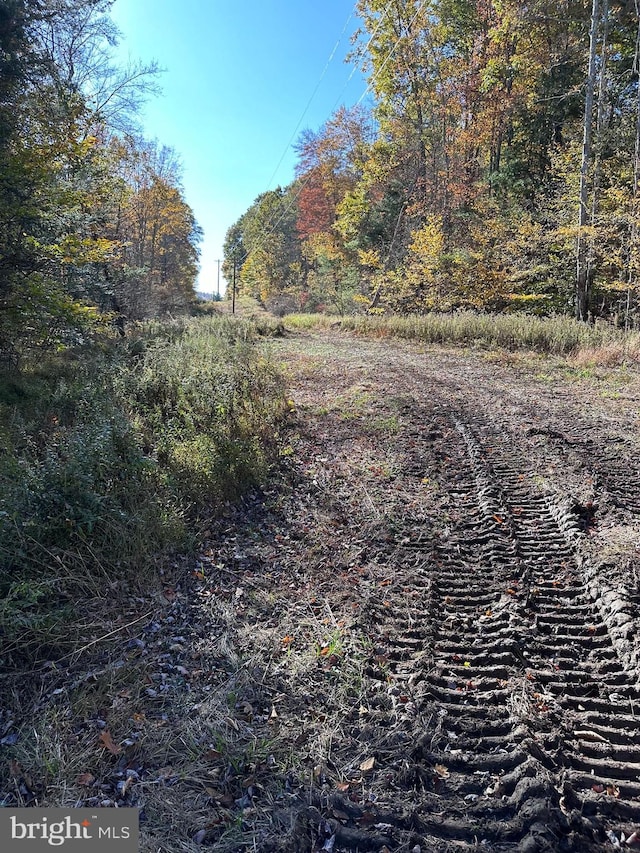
{"type": "Point", "coordinates": [486, 693]}
{"type": "Point", "coordinates": [529, 731]}
{"type": "Point", "coordinates": [523, 635]}
{"type": "Point", "coordinates": [510, 678]}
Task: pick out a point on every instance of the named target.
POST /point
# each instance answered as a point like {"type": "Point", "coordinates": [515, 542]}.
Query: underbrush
{"type": "Point", "coordinates": [112, 458]}
{"type": "Point", "coordinates": [554, 335]}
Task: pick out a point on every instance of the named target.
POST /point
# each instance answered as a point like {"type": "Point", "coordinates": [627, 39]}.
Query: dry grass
{"type": "Point", "coordinates": [559, 335]}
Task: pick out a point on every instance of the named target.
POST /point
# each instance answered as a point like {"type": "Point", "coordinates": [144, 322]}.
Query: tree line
{"type": "Point", "coordinates": [93, 220]}
{"type": "Point", "coordinates": [498, 168]}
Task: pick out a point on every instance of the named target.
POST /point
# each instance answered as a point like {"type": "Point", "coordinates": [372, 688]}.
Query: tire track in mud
{"type": "Point", "coordinates": [576, 754]}
{"type": "Point", "coordinates": [500, 699]}
{"type": "Point", "coordinates": [516, 730]}
{"type": "Point", "coordinates": [486, 744]}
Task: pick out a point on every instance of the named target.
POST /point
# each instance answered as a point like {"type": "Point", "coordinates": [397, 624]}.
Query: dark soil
{"type": "Point", "coordinates": [425, 631]}
{"type": "Point", "coordinates": [459, 545]}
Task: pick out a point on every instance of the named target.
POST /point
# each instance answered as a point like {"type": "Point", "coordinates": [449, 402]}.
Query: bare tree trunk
{"type": "Point", "coordinates": [582, 265]}
{"type": "Point", "coordinates": [599, 139]}
{"type": "Point", "coordinates": [633, 228]}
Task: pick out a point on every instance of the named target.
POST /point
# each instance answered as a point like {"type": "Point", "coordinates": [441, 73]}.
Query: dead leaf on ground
{"type": "Point", "coordinates": [107, 741]}
{"type": "Point", "coordinates": [368, 765]}
{"type": "Point", "coordinates": [86, 780]}
{"type": "Point", "coordinates": [164, 773]}
{"type": "Point", "coordinates": [215, 794]}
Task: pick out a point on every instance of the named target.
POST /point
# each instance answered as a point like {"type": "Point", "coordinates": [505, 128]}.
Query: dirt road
{"type": "Point", "coordinates": [438, 614]}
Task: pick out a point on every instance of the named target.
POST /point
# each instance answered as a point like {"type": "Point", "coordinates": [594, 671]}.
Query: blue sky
{"type": "Point", "coordinates": [239, 75]}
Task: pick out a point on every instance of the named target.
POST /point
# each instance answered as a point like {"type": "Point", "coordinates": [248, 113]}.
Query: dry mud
{"type": "Point", "coordinates": [441, 615]}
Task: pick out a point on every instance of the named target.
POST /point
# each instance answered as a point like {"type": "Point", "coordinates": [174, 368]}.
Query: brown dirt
{"type": "Point", "coordinates": [424, 635]}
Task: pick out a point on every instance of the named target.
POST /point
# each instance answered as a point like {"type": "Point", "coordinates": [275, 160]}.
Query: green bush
{"type": "Point", "coordinates": [111, 457]}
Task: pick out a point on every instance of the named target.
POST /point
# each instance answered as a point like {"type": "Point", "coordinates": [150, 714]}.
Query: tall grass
{"type": "Point", "coordinates": [559, 335]}
{"type": "Point", "coordinates": [111, 457]}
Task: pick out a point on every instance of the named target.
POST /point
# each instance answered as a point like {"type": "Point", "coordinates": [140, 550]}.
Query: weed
{"type": "Point", "coordinates": [599, 343]}
{"type": "Point", "coordinates": [109, 458]}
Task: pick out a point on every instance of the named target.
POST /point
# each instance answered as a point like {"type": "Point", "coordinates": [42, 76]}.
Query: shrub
{"type": "Point", "coordinates": [109, 458]}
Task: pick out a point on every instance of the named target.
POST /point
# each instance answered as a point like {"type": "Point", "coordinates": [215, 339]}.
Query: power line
{"type": "Point", "coordinates": [270, 228]}
{"type": "Point", "coordinates": [313, 94]}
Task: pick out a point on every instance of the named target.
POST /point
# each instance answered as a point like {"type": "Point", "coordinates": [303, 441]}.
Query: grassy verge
{"type": "Point", "coordinates": [561, 336]}
{"type": "Point", "coordinates": [112, 459]}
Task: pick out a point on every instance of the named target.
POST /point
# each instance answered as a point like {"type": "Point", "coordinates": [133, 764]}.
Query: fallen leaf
{"type": "Point", "coordinates": [108, 742]}
{"type": "Point", "coordinates": [343, 787]}
{"type": "Point", "coordinates": [368, 764]}
{"type": "Point", "coordinates": [245, 710]}
{"type": "Point", "coordinates": [86, 780]}
{"type": "Point", "coordinates": [164, 773]}
{"type": "Point", "coordinates": [123, 786]}
{"type": "Point", "coordinates": [10, 739]}
{"type": "Point", "coordinates": [215, 794]}
{"type": "Point", "coordinates": [340, 815]}
{"type": "Point", "coordinates": [442, 771]}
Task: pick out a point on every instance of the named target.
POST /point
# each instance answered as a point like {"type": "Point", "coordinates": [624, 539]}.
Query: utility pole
{"type": "Point", "coordinates": [218, 291]}
{"type": "Point", "coordinates": [233, 291]}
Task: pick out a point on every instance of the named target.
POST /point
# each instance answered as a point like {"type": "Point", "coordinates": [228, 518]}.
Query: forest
{"type": "Point", "coordinates": [498, 169]}
{"type": "Point", "coordinates": [360, 577]}
{"type": "Point", "coordinates": [94, 227]}
{"type": "Point", "coordinates": [121, 416]}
